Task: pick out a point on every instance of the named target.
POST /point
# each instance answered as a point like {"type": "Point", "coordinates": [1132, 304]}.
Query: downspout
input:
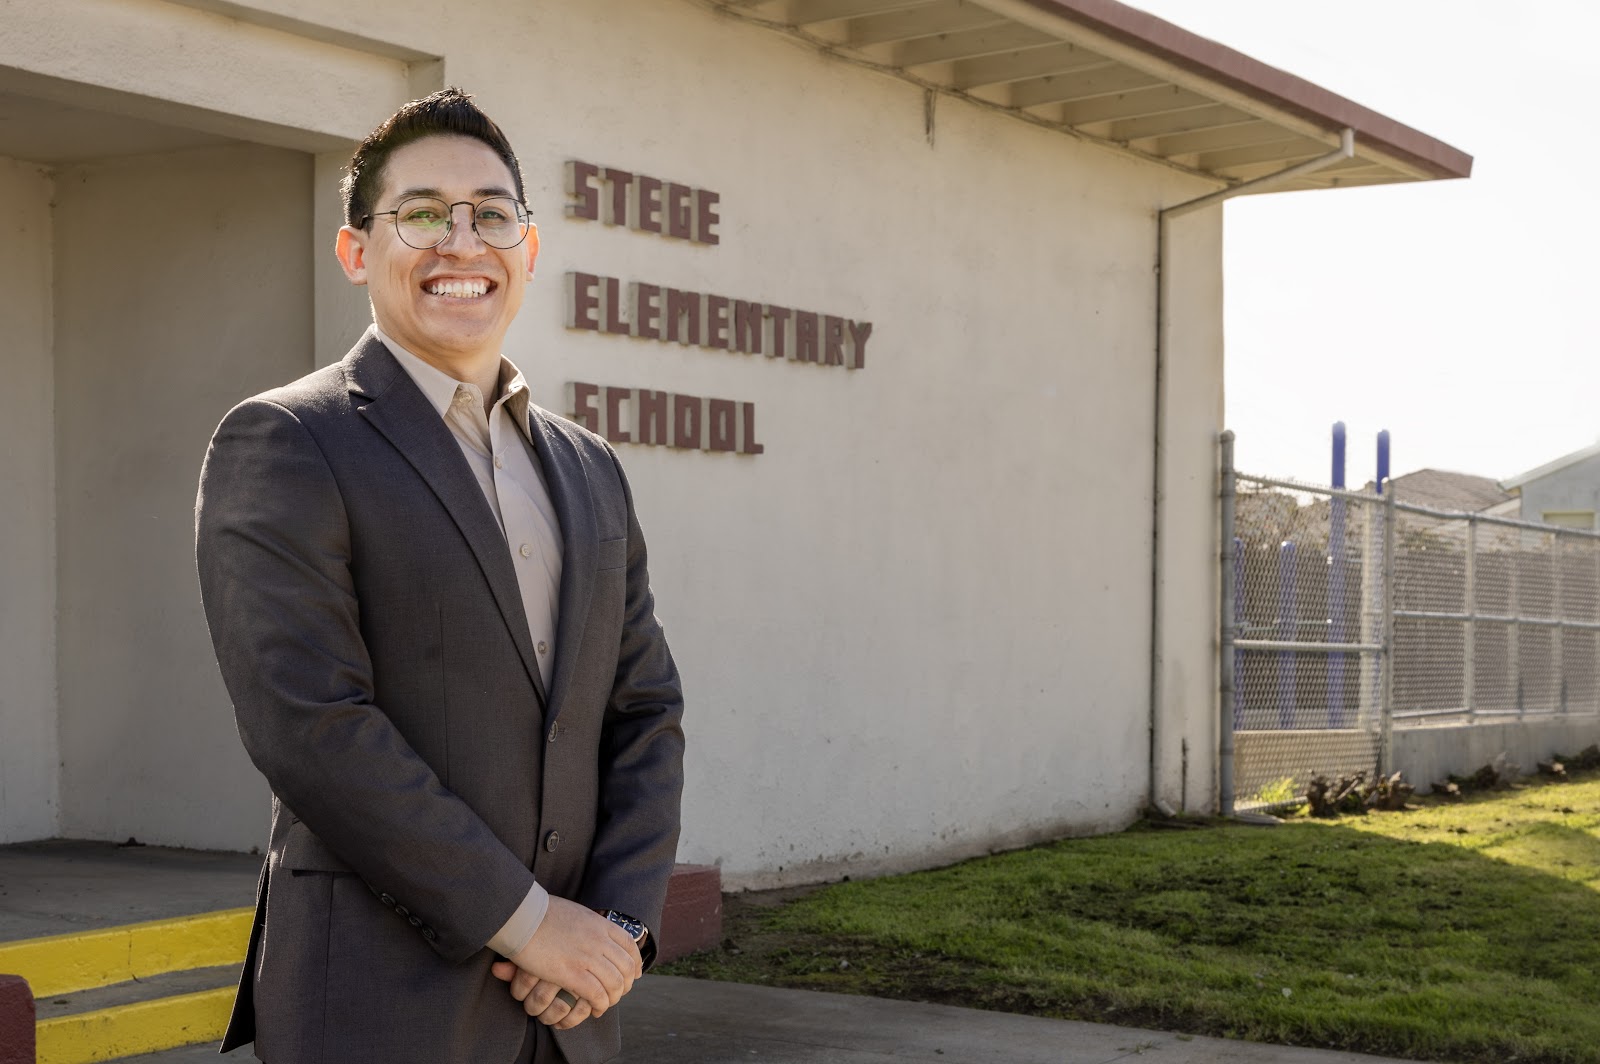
{"type": "Point", "coordinates": [1346, 150]}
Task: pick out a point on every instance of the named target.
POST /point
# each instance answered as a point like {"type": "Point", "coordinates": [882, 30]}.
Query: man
{"type": "Point", "coordinates": [430, 605]}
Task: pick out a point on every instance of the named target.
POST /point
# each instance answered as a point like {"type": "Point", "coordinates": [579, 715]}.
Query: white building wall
{"type": "Point", "coordinates": [1188, 576]}
{"type": "Point", "coordinates": [182, 286]}
{"type": "Point", "coordinates": [28, 749]}
{"type": "Point", "coordinates": [1576, 487]}
{"type": "Point", "coordinates": [918, 627]}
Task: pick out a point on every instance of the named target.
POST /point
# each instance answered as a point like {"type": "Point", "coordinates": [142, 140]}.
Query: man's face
{"type": "Point", "coordinates": [454, 301]}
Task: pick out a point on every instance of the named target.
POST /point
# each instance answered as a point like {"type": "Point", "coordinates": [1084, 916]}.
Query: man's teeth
{"type": "Point", "coordinates": [459, 289]}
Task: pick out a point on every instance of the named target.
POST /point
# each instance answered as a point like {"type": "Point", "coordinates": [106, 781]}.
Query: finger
{"type": "Point", "coordinates": [561, 1004]}
{"type": "Point", "coordinates": [503, 970]}
{"type": "Point", "coordinates": [540, 997]}
{"type": "Point", "coordinates": [576, 1016]}
{"type": "Point", "coordinates": [589, 988]}
{"type": "Point", "coordinates": [522, 985]}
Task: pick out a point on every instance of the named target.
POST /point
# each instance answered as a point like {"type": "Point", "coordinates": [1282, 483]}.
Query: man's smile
{"type": "Point", "coordinates": [459, 287]}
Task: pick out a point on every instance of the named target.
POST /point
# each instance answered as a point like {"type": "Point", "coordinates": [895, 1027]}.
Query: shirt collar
{"type": "Point", "coordinates": [440, 388]}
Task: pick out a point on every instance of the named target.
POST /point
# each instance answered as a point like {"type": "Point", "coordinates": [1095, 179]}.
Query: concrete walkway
{"type": "Point", "coordinates": [668, 1020]}
{"type": "Point", "coordinates": [49, 888]}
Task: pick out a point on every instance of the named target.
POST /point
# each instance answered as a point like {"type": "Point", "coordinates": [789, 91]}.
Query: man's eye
{"type": "Point", "coordinates": [422, 216]}
{"type": "Point", "coordinates": [491, 214]}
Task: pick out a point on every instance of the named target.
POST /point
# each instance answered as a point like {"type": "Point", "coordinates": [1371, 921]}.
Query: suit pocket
{"type": "Point", "coordinates": [613, 553]}
{"type": "Point", "coordinates": [304, 852]}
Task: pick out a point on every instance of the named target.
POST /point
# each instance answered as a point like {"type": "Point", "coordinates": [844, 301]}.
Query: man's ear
{"type": "Point", "coordinates": [532, 243]}
{"type": "Point", "coordinates": [351, 248]}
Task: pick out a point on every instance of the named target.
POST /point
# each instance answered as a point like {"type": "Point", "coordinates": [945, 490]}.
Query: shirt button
{"type": "Point", "coordinates": [497, 463]}
{"type": "Point", "coordinates": [525, 550]}
{"type": "Point", "coordinates": [552, 840]}
{"type": "Point", "coordinates": [544, 648]}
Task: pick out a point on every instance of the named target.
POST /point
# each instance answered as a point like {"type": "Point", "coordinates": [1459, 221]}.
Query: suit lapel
{"type": "Point", "coordinates": [400, 411]}
{"type": "Point", "coordinates": [568, 481]}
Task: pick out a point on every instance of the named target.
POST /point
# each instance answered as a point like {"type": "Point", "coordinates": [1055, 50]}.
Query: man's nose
{"type": "Point", "coordinates": [462, 238]}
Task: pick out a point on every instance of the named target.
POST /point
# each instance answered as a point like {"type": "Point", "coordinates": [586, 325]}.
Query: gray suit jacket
{"type": "Point", "coordinates": [366, 618]}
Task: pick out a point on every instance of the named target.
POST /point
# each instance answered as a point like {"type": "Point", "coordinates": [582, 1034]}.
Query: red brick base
{"type": "Point", "coordinates": [692, 920]}
{"type": "Point", "coordinates": [16, 1020]}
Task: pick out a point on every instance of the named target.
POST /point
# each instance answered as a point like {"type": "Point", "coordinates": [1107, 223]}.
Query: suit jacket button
{"type": "Point", "coordinates": [552, 840]}
{"type": "Point", "coordinates": [402, 910]}
{"type": "Point", "coordinates": [427, 933]}
{"type": "Point", "coordinates": [555, 730]}
{"type": "Point", "coordinates": [415, 921]}
{"type": "Point", "coordinates": [386, 900]}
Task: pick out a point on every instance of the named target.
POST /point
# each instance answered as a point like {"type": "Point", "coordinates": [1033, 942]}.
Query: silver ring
{"type": "Point", "coordinates": [566, 995]}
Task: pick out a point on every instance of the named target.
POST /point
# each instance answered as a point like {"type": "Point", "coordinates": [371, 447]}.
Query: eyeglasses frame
{"type": "Point", "coordinates": [450, 221]}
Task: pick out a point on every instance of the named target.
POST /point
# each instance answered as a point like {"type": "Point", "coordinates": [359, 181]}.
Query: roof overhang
{"type": "Point", "coordinates": [1108, 73]}
{"type": "Point", "coordinates": [1517, 483]}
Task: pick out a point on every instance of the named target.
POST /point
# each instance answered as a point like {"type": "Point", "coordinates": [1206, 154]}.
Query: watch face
{"type": "Point", "coordinates": [634, 928]}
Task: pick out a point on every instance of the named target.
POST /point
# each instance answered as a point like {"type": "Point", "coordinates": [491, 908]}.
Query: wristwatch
{"type": "Point", "coordinates": [636, 931]}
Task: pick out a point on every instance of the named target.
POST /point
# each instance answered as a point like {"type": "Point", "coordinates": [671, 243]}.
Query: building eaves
{"type": "Point", "coordinates": [1515, 483]}
{"type": "Point", "coordinates": [1111, 74]}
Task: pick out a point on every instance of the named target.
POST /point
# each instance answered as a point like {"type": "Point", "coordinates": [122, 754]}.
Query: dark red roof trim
{"type": "Point", "coordinates": [1274, 87]}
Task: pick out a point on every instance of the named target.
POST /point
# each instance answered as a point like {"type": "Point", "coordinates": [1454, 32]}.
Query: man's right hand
{"type": "Point", "coordinates": [580, 950]}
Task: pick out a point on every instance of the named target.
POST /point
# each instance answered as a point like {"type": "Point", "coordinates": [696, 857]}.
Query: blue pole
{"type": "Point", "coordinates": [1238, 619]}
{"type": "Point", "coordinates": [1286, 631]}
{"type": "Point", "coordinates": [1383, 459]}
{"type": "Point", "coordinates": [1336, 562]}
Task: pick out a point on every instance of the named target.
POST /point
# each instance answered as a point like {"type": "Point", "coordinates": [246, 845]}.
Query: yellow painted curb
{"type": "Point", "coordinates": [82, 960]}
{"type": "Point", "coordinates": [143, 1027]}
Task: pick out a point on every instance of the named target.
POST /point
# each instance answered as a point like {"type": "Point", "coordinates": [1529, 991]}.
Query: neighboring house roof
{"type": "Point", "coordinates": [1441, 490]}
{"type": "Point", "coordinates": [1515, 483]}
{"type": "Point", "coordinates": [1114, 75]}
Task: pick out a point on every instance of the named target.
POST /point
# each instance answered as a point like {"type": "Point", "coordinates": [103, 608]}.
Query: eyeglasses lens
{"type": "Point", "coordinates": [424, 222]}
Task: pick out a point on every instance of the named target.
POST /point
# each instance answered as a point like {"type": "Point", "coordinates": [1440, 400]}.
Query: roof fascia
{"type": "Point", "coordinates": [1551, 467]}
{"type": "Point", "coordinates": [1324, 112]}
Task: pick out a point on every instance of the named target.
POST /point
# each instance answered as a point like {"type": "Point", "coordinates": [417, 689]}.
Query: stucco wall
{"type": "Point", "coordinates": [1577, 487]}
{"type": "Point", "coordinates": [918, 627]}
{"type": "Point", "coordinates": [28, 751]}
{"type": "Point", "coordinates": [182, 286]}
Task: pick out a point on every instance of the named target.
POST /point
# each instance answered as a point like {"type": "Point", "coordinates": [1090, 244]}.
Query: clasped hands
{"type": "Point", "coordinates": [580, 951]}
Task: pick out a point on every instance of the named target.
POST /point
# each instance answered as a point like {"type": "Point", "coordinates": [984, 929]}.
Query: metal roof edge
{"type": "Point", "coordinates": [1551, 467]}
{"type": "Point", "coordinates": [1253, 78]}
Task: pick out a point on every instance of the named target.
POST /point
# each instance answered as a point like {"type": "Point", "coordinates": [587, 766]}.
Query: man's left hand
{"type": "Point", "coordinates": [539, 999]}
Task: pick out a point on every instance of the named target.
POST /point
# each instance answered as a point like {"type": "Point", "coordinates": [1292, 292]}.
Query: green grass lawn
{"type": "Point", "coordinates": [1465, 932]}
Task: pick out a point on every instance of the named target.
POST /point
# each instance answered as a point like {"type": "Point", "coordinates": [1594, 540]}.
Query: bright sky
{"type": "Point", "coordinates": [1449, 312]}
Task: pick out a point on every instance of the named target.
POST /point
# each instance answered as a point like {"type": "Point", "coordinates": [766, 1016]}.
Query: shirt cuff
{"type": "Point", "coordinates": [518, 931]}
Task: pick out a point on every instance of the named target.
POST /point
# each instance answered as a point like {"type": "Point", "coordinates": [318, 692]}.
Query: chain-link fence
{"type": "Point", "coordinates": [1347, 614]}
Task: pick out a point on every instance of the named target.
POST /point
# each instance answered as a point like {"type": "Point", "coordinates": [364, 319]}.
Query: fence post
{"type": "Point", "coordinates": [1386, 702]}
{"type": "Point", "coordinates": [1558, 649]}
{"type": "Point", "coordinates": [1469, 648]}
{"type": "Point", "coordinates": [1230, 487]}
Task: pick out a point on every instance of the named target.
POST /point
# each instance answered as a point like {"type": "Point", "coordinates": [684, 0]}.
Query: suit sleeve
{"type": "Point", "coordinates": [641, 756]}
{"type": "Point", "coordinates": [272, 545]}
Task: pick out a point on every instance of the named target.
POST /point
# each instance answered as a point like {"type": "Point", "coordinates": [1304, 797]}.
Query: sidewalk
{"type": "Point", "coordinates": [49, 888]}
{"type": "Point", "coordinates": [669, 1020]}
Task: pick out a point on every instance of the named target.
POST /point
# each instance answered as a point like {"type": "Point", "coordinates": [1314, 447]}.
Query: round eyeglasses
{"type": "Point", "coordinates": [424, 222]}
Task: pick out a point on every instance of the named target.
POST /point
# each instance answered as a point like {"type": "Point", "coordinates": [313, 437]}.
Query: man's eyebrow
{"type": "Point", "coordinates": [481, 193]}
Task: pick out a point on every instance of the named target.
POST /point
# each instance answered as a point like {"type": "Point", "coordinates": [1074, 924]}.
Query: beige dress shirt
{"type": "Point", "coordinates": [498, 449]}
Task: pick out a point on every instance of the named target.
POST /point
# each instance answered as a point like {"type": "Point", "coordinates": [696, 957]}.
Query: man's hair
{"type": "Point", "coordinates": [446, 112]}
